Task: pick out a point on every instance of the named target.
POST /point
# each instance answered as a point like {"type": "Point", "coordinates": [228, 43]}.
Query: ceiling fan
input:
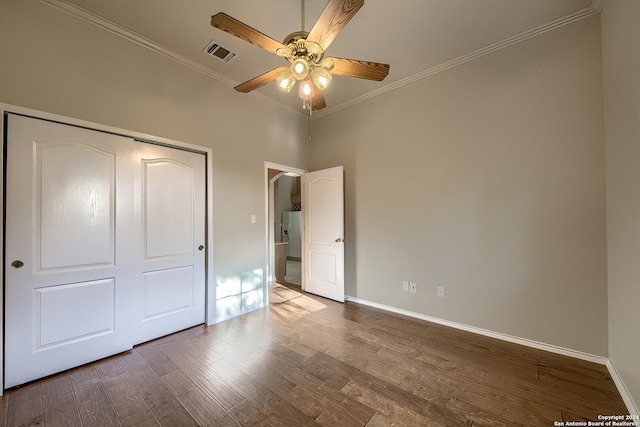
{"type": "Point", "coordinates": [305, 53]}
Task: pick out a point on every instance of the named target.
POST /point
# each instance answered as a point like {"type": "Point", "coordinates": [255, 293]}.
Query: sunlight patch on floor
{"type": "Point", "coordinates": [291, 304]}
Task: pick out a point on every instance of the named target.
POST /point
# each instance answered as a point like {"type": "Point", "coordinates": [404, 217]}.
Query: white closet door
{"type": "Point", "coordinates": [68, 236]}
{"type": "Point", "coordinates": [170, 290]}
{"type": "Point", "coordinates": [103, 238]}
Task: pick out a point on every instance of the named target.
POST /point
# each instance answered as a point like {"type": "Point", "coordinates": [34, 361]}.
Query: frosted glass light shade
{"type": "Point", "coordinates": [285, 80]}
{"type": "Point", "coordinates": [300, 69]}
{"type": "Point", "coordinates": [306, 89]}
{"type": "Point", "coordinates": [327, 64]}
{"type": "Point", "coordinates": [321, 77]}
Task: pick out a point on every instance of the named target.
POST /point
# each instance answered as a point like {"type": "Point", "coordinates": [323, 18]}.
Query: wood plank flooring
{"type": "Point", "coordinates": [307, 361]}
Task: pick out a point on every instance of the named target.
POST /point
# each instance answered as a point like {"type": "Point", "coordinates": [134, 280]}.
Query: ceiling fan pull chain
{"type": "Point", "coordinates": [310, 120]}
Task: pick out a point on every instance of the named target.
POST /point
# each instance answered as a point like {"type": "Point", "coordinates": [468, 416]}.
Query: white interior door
{"type": "Point", "coordinates": [323, 206]}
{"type": "Point", "coordinates": [170, 290]}
{"type": "Point", "coordinates": [103, 237]}
{"type": "Point", "coordinates": [68, 281]}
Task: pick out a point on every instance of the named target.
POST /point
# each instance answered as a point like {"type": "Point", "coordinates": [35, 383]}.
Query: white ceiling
{"type": "Point", "coordinates": [415, 37]}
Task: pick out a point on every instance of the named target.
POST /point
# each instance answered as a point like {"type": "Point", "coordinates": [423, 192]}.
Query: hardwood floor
{"type": "Point", "coordinates": [306, 361]}
{"type": "Point", "coordinates": [294, 272]}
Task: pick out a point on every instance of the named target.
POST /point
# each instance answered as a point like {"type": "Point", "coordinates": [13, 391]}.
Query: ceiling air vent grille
{"type": "Point", "coordinates": [224, 54]}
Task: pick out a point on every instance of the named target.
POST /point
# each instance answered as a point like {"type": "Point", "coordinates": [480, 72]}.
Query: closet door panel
{"type": "Point", "coordinates": [68, 230]}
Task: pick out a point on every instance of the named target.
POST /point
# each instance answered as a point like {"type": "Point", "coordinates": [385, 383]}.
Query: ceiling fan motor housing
{"type": "Point", "coordinates": [293, 37]}
{"type": "Point", "coordinates": [299, 47]}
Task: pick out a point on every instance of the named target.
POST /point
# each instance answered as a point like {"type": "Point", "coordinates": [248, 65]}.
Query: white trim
{"type": "Point", "coordinates": [467, 57]}
{"type": "Point", "coordinates": [128, 34]}
{"type": "Point", "coordinates": [504, 337]}
{"type": "Point", "coordinates": [211, 310]}
{"type": "Point", "coordinates": [624, 392]}
{"type": "Point", "coordinates": [601, 360]}
{"type": "Point", "coordinates": [270, 165]}
{"type": "Point", "coordinates": [269, 217]}
{"type": "Point", "coordinates": [8, 108]}
{"type": "Point", "coordinates": [208, 152]}
{"type": "Point", "coordinates": [101, 22]}
{"type": "Point", "coordinates": [2, 133]}
{"type": "Point", "coordinates": [132, 36]}
{"type": "Point", "coordinates": [597, 5]}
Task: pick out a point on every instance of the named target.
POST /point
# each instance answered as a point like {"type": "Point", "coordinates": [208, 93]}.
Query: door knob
{"type": "Point", "coordinates": [201, 247]}
{"type": "Point", "coordinates": [17, 264]}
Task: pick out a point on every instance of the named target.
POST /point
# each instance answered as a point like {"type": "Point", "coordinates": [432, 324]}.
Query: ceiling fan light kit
{"type": "Point", "coordinates": [321, 77]}
{"type": "Point", "coordinates": [306, 90]}
{"type": "Point", "coordinates": [300, 68]}
{"type": "Point", "coordinates": [305, 53]}
{"type": "Point", "coordinates": [285, 79]}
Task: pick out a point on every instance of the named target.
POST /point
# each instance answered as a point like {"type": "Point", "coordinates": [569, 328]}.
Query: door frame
{"type": "Point", "coordinates": [269, 215]}
{"type": "Point", "coordinates": [210, 288]}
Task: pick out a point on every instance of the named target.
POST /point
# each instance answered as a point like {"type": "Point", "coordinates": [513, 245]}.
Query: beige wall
{"type": "Point", "coordinates": [621, 64]}
{"type": "Point", "coordinates": [58, 64]}
{"type": "Point", "coordinates": [487, 179]}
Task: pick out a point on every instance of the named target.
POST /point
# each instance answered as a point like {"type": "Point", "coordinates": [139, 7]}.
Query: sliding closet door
{"type": "Point", "coordinates": [69, 231]}
{"type": "Point", "coordinates": [170, 290]}
{"type": "Point", "coordinates": [104, 245]}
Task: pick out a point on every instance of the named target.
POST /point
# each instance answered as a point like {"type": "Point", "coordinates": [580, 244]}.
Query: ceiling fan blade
{"type": "Point", "coordinates": [259, 81]}
{"type": "Point", "coordinates": [317, 102]}
{"type": "Point", "coordinates": [232, 26]}
{"type": "Point", "coordinates": [360, 69]}
{"type": "Point", "coordinates": [334, 17]}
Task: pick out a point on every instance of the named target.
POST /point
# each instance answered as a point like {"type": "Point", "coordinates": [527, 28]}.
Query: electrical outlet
{"type": "Point", "coordinates": [412, 286]}
{"type": "Point", "coordinates": [405, 285]}
{"type": "Point", "coordinates": [253, 219]}
{"type": "Point", "coordinates": [441, 291]}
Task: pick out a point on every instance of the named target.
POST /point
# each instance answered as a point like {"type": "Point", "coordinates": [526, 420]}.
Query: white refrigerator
{"type": "Point", "coordinates": [292, 234]}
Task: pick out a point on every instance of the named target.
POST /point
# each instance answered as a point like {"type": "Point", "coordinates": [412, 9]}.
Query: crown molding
{"type": "Point", "coordinates": [134, 37]}
{"type": "Point", "coordinates": [597, 5]}
{"type": "Point", "coordinates": [468, 57]}
{"type": "Point", "coordinates": [128, 34]}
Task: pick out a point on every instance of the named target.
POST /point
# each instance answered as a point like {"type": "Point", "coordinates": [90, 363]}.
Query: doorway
{"type": "Point", "coordinates": [284, 224]}
{"type": "Point", "coordinates": [288, 228]}
{"type": "Point", "coordinates": [322, 252]}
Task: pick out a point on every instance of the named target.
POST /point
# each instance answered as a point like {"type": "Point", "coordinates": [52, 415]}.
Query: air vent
{"type": "Point", "coordinates": [222, 53]}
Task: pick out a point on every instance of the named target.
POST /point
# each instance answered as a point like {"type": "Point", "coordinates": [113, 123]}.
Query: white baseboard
{"type": "Point", "coordinates": [504, 337]}
{"type": "Point", "coordinates": [624, 392]}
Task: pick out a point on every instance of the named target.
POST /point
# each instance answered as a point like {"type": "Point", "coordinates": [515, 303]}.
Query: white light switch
{"type": "Point", "coordinates": [253, 219]}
